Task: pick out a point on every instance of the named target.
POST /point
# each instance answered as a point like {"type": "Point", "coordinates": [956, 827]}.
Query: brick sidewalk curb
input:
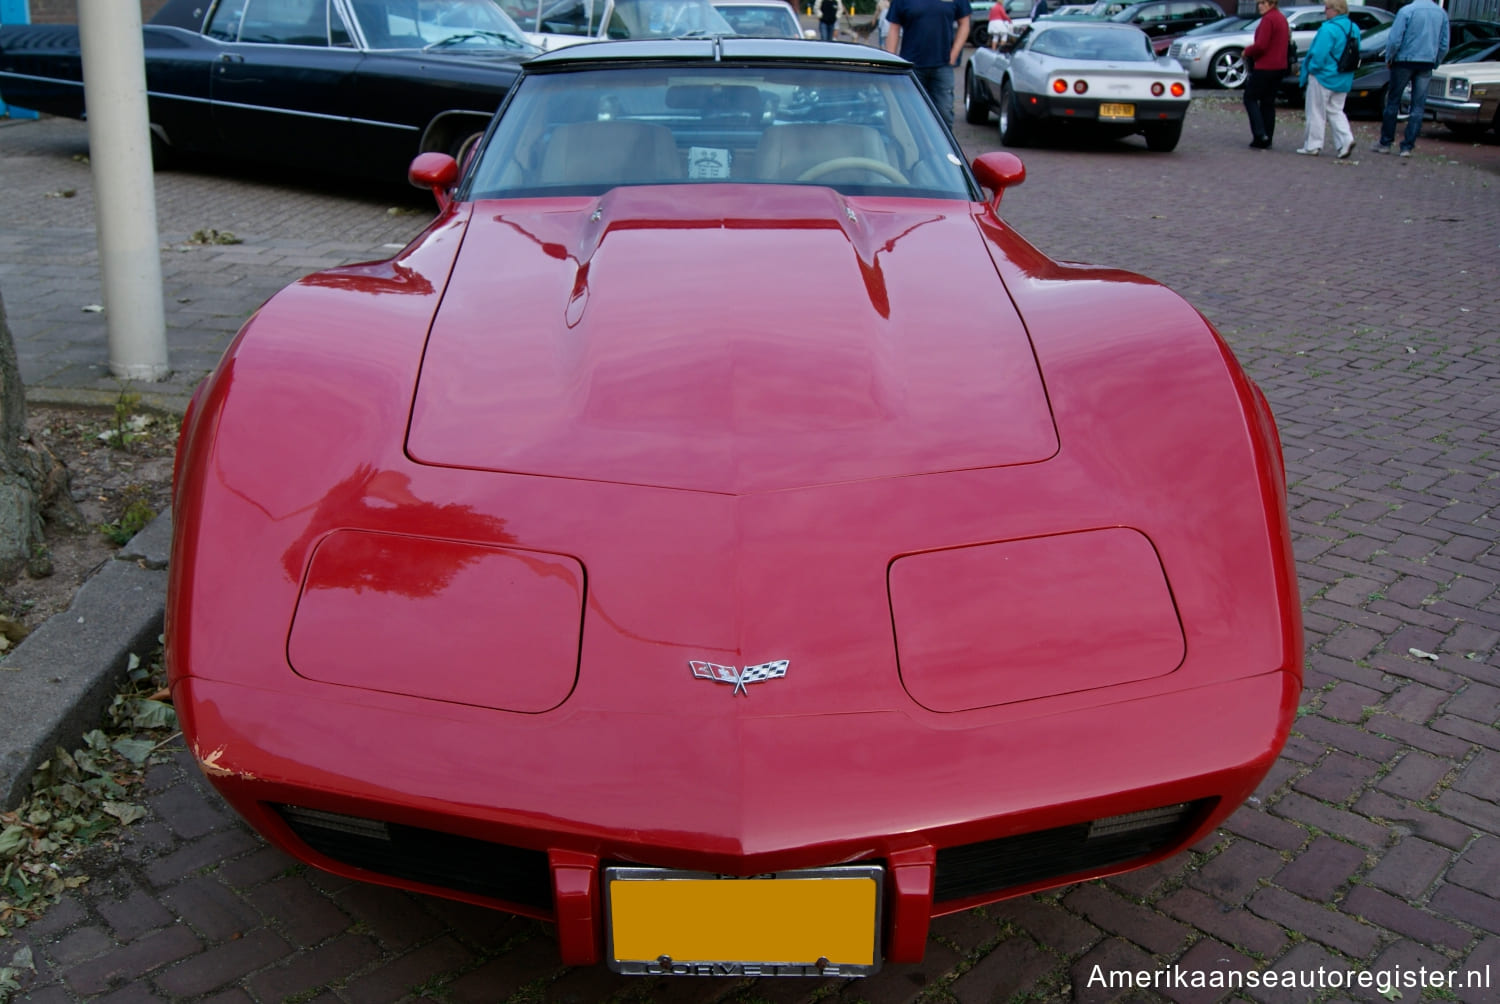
{"type": "Point", "coordinates": [156, 397]}
{"type": "Point", "coordinates": [59, 681]}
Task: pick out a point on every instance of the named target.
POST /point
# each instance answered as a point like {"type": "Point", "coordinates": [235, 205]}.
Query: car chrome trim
{"type": "Point", "coordinates": [12, 75]}
{"type": "Point", "coordinates": [301, 114]}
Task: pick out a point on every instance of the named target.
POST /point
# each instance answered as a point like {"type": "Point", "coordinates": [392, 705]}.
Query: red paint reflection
{"type": "Point", "coordinates": [382, 501]}
{"type": "Point", "coordinates": [375, 277]}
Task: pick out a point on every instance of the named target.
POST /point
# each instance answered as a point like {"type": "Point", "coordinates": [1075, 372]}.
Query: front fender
{"type": "Point", "coordinates": [325, 385]}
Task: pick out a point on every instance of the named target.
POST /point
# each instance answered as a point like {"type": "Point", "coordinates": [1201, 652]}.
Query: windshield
{"type": "Point", "coordinates": [665, 19]}
{"type": "Point", "coordinates": [587, 131]}
{"type": "Point", "coordinates": [771, 20]}
{"type": "Point", "coordinates": [1105, 44]}
{"type": "Point", "coordinates": [430, 24]}
{"type": "Point", "coordinates": [1473, 51]}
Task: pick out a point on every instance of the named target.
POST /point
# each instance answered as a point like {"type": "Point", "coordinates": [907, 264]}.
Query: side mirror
{"type": "Point", "coordinates": [998, 170]}
{"type": "Point", "coordinates": [435, 171]}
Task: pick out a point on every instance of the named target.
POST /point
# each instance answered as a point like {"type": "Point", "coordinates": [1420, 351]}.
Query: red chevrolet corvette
{"type": "Point", "coordinates": [664, 546]}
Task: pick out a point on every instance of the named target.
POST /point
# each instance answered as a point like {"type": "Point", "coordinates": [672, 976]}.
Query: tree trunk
{"type": "Point", "coordinates": [33, 483]}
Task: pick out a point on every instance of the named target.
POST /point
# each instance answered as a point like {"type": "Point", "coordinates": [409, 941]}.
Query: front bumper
{"type": "Point", "coordinates": [1197, 68]}
{"type": "Point", "coordinates": [1448, 110]}
{"type": "Point", "coordinates": [522, 812]}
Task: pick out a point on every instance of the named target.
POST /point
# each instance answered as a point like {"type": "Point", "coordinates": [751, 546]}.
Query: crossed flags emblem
{"type": "Point", "coordinates": [739, 677]}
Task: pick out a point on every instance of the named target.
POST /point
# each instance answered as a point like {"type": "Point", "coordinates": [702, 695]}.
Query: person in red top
{"type": "Point", "coordinates": [1267, 59]}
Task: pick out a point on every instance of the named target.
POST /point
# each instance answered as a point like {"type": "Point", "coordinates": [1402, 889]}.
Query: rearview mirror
{"type": "Point", "coordinates": [997, 171]}
{"type": "Point", "coordinates": [436, 171]}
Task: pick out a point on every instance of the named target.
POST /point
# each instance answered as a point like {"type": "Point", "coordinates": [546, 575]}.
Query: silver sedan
{"type": "Point", "coordinates": [1218, 55]}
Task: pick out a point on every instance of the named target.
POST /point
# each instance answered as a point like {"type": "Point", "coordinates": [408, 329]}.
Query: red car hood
{"type": "Point", "coordinates": [727, 338]}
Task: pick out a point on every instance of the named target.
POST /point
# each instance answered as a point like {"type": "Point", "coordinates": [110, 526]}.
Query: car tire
{"type": "Point", "coordinates": [976, 108]}
{"type": "Point", "coordinates": [1014, 130]}
{"type": "Point", "coordinates": [1162, 137]}
{"type": "Point", "coordinates": [1228, 70]}
{"type": "Point", "coordinates": [463, 147]}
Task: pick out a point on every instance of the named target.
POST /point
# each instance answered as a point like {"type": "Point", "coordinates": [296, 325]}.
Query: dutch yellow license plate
{"type": "Point", "coordinates": [1116, 111]}
{"type": "Point", "coordinates": [817, 922]}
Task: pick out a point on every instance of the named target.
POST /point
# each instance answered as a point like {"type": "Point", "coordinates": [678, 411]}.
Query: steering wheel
{"type": "Point", "coordinates": [880, 167]}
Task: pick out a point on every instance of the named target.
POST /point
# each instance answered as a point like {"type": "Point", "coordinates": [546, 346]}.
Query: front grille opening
{"type": "Point", "coordinates": [464, 864]}
{"type": "Point", "coordinates": [994, 865]}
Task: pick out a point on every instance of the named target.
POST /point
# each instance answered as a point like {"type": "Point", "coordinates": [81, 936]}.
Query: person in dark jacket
{"type": "Point", "coordinates": [1267, 59]}
{"type": "Point", "coordinates": [930, 34]}
{"type": "Point", "coordinates": [828, 19]}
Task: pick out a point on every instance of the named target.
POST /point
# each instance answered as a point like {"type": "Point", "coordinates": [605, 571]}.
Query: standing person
{"type": "Point", "coordinates": [1327, 85]}
{"type": "Point", "coordinates": [828, 18]}
{"type": "Point", "coordinates": [930, 34]}
{"type": "Point", "coordinates": [998, 24]}
{"type": "Point", "coordinates": [1267, 59]}
{"type": "Point", "coordinates": [882, 26]}
{"type": "Point", "coordinates": [1418, 41]}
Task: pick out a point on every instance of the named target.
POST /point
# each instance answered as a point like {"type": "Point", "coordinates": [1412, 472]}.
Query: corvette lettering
{"type": "Point", "coordinates": [670, 967]}
{"type": "Point", "coordinates": [739, 677]}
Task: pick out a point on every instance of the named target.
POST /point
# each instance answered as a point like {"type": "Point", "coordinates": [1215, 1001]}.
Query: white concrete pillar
{"type": "Point", "coordinates": [114, 88]}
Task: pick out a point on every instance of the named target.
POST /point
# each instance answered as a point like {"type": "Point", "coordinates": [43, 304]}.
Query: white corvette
{"type": "Point", "coordinates": [1092, 74]}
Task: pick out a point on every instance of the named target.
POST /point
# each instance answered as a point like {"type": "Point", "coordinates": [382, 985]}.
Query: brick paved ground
{"type": "Point", "coordinates": [49, 262]}
{"type": "Point", "coordinates": [1361, 295]}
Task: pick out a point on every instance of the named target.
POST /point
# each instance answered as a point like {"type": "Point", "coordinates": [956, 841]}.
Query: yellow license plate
{"type": "Point", "coordinates": [817, 922]}
{"type": "Point", "coordinates": [1111, 111]}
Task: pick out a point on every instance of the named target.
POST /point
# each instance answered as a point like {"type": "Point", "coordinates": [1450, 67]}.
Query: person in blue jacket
{"type": "Point", "coordinates": [1327, 85]}
{"type": "Point", "coordinates": [1417, 42]}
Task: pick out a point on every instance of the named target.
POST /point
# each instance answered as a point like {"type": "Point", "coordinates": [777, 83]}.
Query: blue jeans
{"type": "Point", "coordinates": [826, 29]}
{"type": "Point", "coordinates": [937, 81]}
{"type": "Point", "coordinates": [1401, 73]}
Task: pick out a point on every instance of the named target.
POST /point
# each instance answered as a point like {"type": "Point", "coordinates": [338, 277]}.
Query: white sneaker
{"type": "Point", "coordinates": [1305, 151]}
{"type": "Point", "coordinates": [1346, 150]}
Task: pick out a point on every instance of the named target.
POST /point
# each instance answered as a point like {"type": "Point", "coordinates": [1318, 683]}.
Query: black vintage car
{"type": "Point", "coordinates": [353, 86]}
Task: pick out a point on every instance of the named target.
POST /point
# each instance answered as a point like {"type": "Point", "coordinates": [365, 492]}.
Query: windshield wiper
{"type": "Point", "coordinates": [462, 36]}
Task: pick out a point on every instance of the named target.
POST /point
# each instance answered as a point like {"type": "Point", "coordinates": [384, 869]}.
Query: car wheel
{"type": "Point", "coordinates": [1014, 130]}
{"type": "Point", "coordinates": [976, 109]}
{"type": "Point", "coordinates": [1228, 68]}
{"type": "Point", "coordinates": [464, 146]}
{"type": "Point", "coordinates": [1163, 137]}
